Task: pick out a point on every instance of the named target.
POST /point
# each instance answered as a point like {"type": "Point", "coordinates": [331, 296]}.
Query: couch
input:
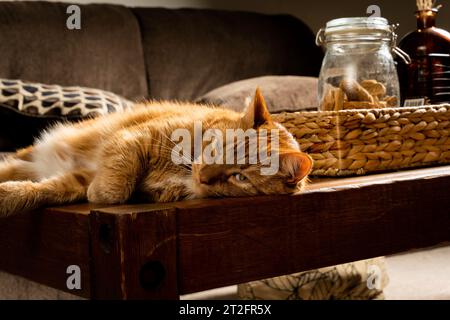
{"type": "Point", "coordinates": [143, 53]}
{"type": "Point", "coordinates": [138, 53]}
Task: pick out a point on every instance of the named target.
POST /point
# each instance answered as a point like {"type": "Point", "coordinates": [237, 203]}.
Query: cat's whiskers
{"type": "Point", "coordinates": [162, 146]}
{"type": "Point", "coordinates": [189, 160]}
{"type": "Point", "coordinates": [184, 166]}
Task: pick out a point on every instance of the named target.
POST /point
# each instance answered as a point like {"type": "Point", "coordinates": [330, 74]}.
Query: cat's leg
{"type": "Point", "coordinates": [121, 165]}
{"type": "Point", "coordinates": [17, 196]}
{"type": "Point", "coordinates": [16, 170]}
{"type": "Point", "coordinates": [17, 167]}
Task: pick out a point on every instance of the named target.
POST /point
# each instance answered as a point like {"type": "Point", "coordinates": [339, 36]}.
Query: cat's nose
{"type": "Point", "coordinates": [210, 174]}
{"type": "Point", "coordinates": [204, 180]}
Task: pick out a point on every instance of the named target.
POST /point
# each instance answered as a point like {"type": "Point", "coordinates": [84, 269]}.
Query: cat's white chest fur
{"type": "Point", "coordinates": [54, 156]}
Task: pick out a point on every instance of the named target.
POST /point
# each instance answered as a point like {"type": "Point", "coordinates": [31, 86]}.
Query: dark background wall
{"type": "Point", "coordinates": [317, 12]}
{"type": "Point", "coordinates": [314, 12]}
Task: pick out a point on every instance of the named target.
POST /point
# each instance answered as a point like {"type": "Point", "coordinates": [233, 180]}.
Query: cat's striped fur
{"type": "Point", "coordinates": [109, 159]}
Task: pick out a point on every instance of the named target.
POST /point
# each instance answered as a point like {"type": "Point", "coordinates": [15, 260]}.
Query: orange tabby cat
{"type": "Point", "coordinates": [109, 159]}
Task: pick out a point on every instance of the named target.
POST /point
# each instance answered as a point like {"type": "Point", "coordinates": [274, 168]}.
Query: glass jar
{"type": "Point", "coordinates": [358, 70]}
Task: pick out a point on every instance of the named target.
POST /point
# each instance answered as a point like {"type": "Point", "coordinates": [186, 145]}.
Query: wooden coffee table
{"type": "Point", "coordinates": [160, 251]}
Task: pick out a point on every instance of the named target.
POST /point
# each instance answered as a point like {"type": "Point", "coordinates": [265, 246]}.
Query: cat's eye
{"type": "Point", "coordinates": [239, 177]}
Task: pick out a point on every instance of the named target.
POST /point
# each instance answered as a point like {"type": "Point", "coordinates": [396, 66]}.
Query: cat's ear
{"type": "Point", "coordinates": [256, 113]}
{"type": "Point", "coordinates": [297, 165]}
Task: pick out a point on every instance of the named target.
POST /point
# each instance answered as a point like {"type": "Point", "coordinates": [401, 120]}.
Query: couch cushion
{"type": "Point", "coordinates": [282, 93]}
{"type": "Point", "coordinates": [105, 53]}
{"type": "Point", "coordinates": [189, 52]}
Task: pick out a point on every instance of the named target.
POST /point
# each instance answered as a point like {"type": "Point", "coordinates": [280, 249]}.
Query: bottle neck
{"type": "Point", "coordinates": [426, 19]}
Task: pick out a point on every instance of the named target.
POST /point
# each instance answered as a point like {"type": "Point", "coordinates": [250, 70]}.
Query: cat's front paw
{"type": "Point", "coordinates": [16, 196]}
{"type": "Point", "coordinates": [105, 195]}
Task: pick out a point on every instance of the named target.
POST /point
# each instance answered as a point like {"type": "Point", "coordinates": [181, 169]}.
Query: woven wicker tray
{"type": "Point", "coordinates": [355, 142]}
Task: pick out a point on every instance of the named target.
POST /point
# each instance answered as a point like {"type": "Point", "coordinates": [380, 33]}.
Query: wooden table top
{"type": "Point", "coordinates": [317, 184]}
{"type": "Point", "coordinates": [209, 243]}
{"type": "Point", "coordinates": [335, 183]}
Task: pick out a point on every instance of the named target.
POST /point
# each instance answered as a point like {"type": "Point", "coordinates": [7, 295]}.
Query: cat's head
{"type": "Point", "coordinates": [286, 166]}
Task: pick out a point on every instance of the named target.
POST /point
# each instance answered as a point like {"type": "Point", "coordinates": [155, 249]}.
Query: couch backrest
{"type": "Point", "coordinates": [105, 53]}
{"type": "Point", "coordinates": [150, 52]}
{"type": "Point", "coordinates": [189, 52]}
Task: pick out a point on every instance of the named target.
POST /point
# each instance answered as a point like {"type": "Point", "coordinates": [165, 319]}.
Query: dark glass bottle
{"type": "Point", "coordinates": [426, 80]}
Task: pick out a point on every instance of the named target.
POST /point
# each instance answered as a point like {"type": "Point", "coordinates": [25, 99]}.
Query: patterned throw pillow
{"type": "Point", "coordinates": [37, 99]}
{"type": "Point", "coordinates": [361, 280]}
{"type": "Point", "coordinates": [28, 108]}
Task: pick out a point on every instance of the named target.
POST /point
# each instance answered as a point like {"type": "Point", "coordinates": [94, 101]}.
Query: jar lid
{"type": "Point", "coordinates": [356, 24]}
{"type": "Point", "coordinates": [362, 28]}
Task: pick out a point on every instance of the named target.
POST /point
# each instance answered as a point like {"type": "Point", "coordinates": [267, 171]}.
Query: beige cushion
{"type": "Point", "coordinates": [282, 93]}
{"type": "Point", "coordinates": [361, 280]}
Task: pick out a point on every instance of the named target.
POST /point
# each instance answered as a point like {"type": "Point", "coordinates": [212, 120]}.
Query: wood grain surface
{"type": "Point", "coordinates": [159, 251]}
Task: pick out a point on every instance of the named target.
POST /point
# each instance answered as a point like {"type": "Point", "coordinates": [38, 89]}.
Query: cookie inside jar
{"type": "Point", "coordinates": [351, 94]}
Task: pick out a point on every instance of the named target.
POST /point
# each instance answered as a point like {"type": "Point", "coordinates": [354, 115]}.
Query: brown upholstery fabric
{"type": "Point", "coordinates": [144, 52]}
{"type": "Point", "coordinates": [281, 93]}
{"type": "Point", "coordinates": [106, 53]}
{"type": "Point", "coordinates": [189, 52]}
